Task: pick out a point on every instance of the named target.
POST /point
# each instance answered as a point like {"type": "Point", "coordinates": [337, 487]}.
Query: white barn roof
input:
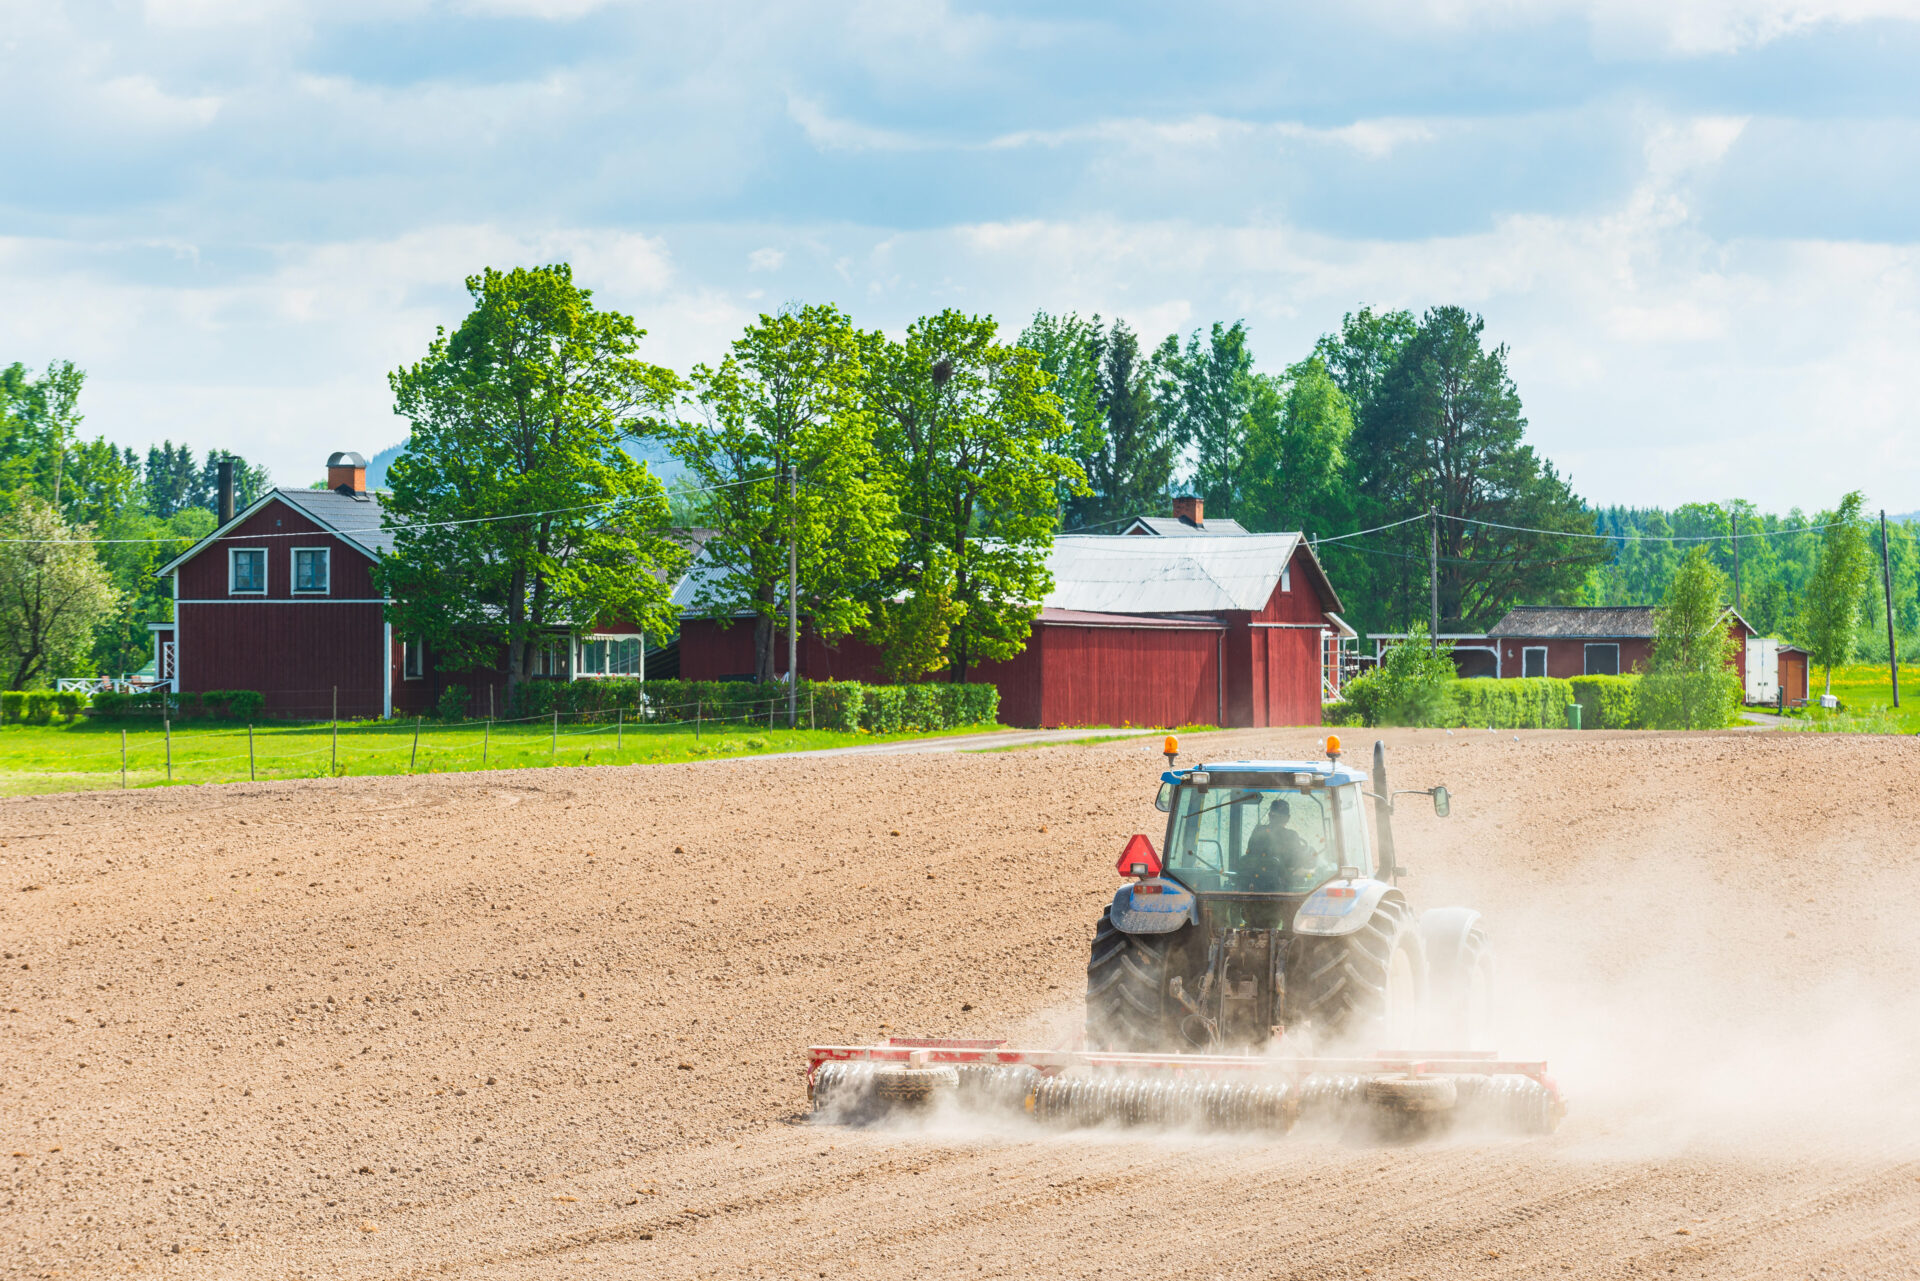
{"type": "Point", "coordinates": [1172, 574]}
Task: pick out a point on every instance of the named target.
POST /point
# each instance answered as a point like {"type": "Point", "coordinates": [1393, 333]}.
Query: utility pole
{"type": "Point", "coordinates": [1433, 579]}
{"type": "Point", "coordinates": [793, 598]}
{"type": "Point", "coordinates": [1736, 562]}
{"type": "Point", "coordinates": [1886, 582]}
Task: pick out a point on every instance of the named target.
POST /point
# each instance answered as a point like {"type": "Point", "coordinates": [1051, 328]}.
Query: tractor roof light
{"type": "Point", "coordinates": [1170, 749]}
{"type": "Point", "coordinates": [1333, 747]}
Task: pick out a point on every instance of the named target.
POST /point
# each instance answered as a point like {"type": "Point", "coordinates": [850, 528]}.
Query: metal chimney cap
{"type": "Point", "coordinates": [346, 458]}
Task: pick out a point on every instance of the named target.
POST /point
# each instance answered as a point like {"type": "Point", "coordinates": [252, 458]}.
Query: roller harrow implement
{"type": "Point", "coordinates": [1410, 1094]}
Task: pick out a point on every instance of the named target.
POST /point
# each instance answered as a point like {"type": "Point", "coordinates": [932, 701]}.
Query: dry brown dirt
{"type": "Point", "coordinates": [551, 1023]}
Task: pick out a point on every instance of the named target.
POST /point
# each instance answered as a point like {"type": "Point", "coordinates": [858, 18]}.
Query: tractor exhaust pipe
{"type": "Point", "coordinates": [1383, 812]}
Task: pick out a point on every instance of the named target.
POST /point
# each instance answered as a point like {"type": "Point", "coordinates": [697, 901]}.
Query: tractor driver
{"type": "Point", "coordinates": [1276, 859]}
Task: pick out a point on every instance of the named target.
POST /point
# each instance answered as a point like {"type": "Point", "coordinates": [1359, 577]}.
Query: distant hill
{"type": "Point", "coordinates": [651, 452]}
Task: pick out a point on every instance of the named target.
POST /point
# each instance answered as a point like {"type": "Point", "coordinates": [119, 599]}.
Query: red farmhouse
{"type": "Point", "coordinates": [280, 599]}
{"type": "Point", "coordinates": [1173, 629]}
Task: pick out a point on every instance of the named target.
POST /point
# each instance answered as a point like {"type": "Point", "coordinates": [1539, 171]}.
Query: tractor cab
{"type": "Point", "coordinates": [1251, 839]}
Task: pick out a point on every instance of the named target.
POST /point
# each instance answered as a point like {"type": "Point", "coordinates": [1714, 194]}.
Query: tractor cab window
{"type": "Point", "coordinates": [1275, 840]}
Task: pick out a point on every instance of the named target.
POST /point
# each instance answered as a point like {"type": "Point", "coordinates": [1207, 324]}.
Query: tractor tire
{"type": "Point", "coordinates": [1127, 997]}
{"type": "Point", "coordinates": [1462, 995]}
{"type": "Point", "coordinates": [1364, 990]}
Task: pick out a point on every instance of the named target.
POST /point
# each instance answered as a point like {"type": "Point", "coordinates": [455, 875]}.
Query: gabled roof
{"type": "Point", "coordinates": [355, 520]}
{"type": "Point", "coordinates": [1584, 622]}
{"type": "Point", "coordinates": [1219, 527]}
{"type": "Point", "coordinates": [1191, 574]}
{"type": "Point", "coordinates": [1129, 574]}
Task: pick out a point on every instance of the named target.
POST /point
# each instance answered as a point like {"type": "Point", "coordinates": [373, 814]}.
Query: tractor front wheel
{"type": "Point", "coordinates": [1127, 997]}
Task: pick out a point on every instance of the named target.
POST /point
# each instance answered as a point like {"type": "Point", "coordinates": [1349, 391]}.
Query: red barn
{"type": "Point", "coordinates": [1161, 630]}
{"type": "Point", "coordinates": [280, 599]}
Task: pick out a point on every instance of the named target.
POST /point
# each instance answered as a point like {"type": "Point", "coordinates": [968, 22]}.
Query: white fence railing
{"type": "Point", "coordinates": [104, 684]}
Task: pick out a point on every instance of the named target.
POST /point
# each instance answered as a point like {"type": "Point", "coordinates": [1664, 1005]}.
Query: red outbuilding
{"type": "Point", "coordinates": [1170, 629]}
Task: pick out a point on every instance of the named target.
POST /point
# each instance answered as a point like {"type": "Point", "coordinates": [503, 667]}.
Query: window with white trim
{"type": "Point", "coordinates": [610, 656]}
{"type": "Point", "coordinates": [311, 569]}
{"type": "Point", "coordinates": [1286, 577]}
{"type": "Point", "coordinates": [413, 659]}
{"type": "Point", "coordinates": [1603, 660]}
{"type": "Point", "coordinates": [553, 657]}
{"type": "Point", "coordinates": [247, 571]}
{"type": "Point", "coordinates": [1533, 660]}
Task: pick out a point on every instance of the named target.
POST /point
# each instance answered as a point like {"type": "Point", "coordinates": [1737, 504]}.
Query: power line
{"type": "Point", "coordinates": [1636, 537]}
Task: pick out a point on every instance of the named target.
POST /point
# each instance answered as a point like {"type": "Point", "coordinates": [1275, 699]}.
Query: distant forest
{"type": "Point", "coordinates": [1773, 571]}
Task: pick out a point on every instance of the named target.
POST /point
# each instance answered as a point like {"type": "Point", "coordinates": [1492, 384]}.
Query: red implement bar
{"type": "Point", "coordinates": [1049, 1062]}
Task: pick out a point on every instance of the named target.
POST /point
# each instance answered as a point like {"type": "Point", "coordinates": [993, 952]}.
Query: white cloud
{"type": "Point", "coordinates": [1684, 27]}
{"type": "Point", "coordinates": [829, 133]}
{"type": "Point", "coordinates": [765, 259]}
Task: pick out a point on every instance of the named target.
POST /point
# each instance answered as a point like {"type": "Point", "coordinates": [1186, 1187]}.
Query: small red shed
{"type": "Point", "coordinates": [1600, 640]}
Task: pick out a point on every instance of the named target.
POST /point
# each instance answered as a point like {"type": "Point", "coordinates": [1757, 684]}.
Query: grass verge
{"type": "Point", "coordinates": [86, 756]}
{"type": "Point", "coordinates": [1866, 702]}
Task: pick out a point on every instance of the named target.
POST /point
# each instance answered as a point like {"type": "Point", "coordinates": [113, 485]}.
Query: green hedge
{"type": "Point", "coordinates": [1606, 702]}
{"type": "Point", "coordinates": [1341, 714]}
{"type": "Point", "coordinates": [1525, 702]}
{"type": "Point", "coordinates": [39, 706]}
{"type": "Point", "coordinates": [214, 704]}
{"type": "Point", "coordinates": [843, 705]}
{"type": "Point", "coordinates": [1690, 700]}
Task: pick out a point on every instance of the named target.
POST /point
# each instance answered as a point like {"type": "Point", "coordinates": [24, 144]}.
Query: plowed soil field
{"type": "Point", "coordinates": [551, 1023]}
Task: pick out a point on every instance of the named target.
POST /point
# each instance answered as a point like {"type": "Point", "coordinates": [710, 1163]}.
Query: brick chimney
{"type": "Point", "coordinates": [1190, 511]}
{"type": "Point", "coordinates": [347, 474]}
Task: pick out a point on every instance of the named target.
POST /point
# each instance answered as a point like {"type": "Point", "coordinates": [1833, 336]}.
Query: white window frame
{"type": "Point", "coordinates": [579, 670]}
{"type": "Point", "coordinates": [294, 569]}
{"type": "Point", "coordinates": [413, 659]}
{"type": "Point", "coordinates": [233, 554]}
{"type": "Point", "coordinates": [1593, 645]}
{"type": "Point", "coordinates": [1286, 577]}
{"type": "Point", "coordinates": [1533, 649]}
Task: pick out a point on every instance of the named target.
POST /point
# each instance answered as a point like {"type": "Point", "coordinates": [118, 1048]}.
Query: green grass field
{"type": "Point", "coordinates": [1866, 701]}
{"type": "Point", "coordinates": [85, 756]}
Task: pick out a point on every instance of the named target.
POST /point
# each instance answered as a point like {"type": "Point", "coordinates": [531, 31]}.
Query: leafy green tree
{"type": "Point", "coordinates": [1443, 432]}
{"type": "Point", "coordinates": [39, 420]}
{"type": "Point", "coordinates": [53, 592]}
{"type": "Point", "coordinates": [1830, 607]}
{"type": "Point", "coordinates": [514, 507]}
{"type": "Point", "coordinates": [1689, 683]}
{"type": "Point", "coordinates": [1299, 428]}
{"type": "Point", "coordinates": [974, 446]}
{"type": "Point", "coordinates": [1410, 685]}
{"type": "Point", "coordinates": [789, 398]}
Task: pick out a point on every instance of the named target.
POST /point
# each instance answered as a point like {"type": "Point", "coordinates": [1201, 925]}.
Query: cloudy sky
{"type": "Point", "coordinates": [1694, 222]}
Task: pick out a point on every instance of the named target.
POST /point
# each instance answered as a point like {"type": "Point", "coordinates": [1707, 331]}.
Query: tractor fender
{"type": "Point", "coordinates": [1341, 907]}
{"type": "Point", "coordinates": [1152, 906]}
{"type": "Point", "coordinates": [1443, 932]}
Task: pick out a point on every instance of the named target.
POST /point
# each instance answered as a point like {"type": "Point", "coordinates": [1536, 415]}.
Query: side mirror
{"type": "Point", "coordinates": [1164, 801]}
{"type": "Point", "coordinates": [1442, 802]}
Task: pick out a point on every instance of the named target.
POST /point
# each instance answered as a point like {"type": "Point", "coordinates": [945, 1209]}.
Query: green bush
{"type": "Point", "coordinates": [1341, 714]}
{"type": "Point", "coordinates": [1688, 700]}
{"type": "Point", "coordinates": [40, 705]}
{"type": "Point", "coordinates": [13, 703]}
{"type": "Point", "coordinates": [452, 705]}
{"type": "Point", "coordinates": [214, 704]}
{"type": "Point", "coordinates": [1526, 702]}
{"type": "Point", "coordinates": [71, 701]}
{"type": "Point", "coordinates": [1606, 702]}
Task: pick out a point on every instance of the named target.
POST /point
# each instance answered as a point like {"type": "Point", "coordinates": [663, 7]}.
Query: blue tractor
{"type": "Point", "coordinates": [1276, 909]}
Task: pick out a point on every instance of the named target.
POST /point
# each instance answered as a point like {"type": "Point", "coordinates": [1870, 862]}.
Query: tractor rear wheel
{"type": "Point", "coordinates": [1463, 994]}
{"type": "Point", "coordinates": [1366, 988]}
{"type": "Point", "coordinates": [1127, 998]}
